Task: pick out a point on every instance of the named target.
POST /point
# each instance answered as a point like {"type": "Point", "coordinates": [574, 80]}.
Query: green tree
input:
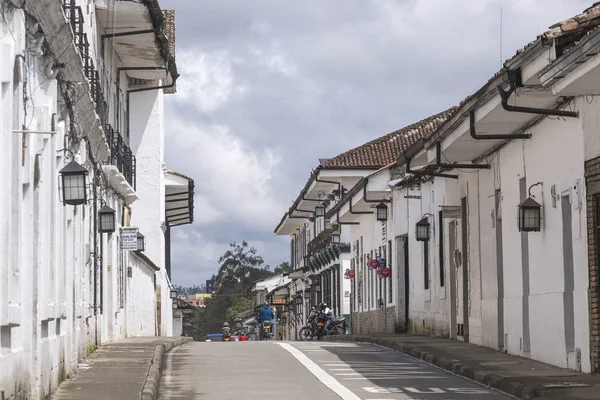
{"type": "Point", "coordinates": [282, 268]}
{"type": "Point", "coordinates": [241, 267]}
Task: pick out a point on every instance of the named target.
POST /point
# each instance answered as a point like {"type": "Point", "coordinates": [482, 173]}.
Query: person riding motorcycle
{"type": "Point", "coordinates": [266, 314]}
{"type": "Point", "coordinates": [226, 330]}
{"type": "Point", "coordinates": [329, 314]}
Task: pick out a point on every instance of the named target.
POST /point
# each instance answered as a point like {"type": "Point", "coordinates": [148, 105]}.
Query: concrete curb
{"type": "Point", "coordinates": [150, 388]}
{"type": "Point", "coordinates": [498, 382]}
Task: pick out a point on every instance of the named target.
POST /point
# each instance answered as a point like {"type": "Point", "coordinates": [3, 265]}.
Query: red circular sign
{"type": "Point", "coordinates": [373, 264]}
{"type": "Point", "coordinates": [351, 273]}
{"type": "Point", "coordinates": [385, 272]}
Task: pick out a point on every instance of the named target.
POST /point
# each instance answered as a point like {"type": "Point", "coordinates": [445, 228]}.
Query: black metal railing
{"type": "Point", "coordinates": [120, 154]}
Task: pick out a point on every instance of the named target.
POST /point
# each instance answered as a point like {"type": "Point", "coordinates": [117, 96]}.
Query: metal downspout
{"type": "Point", "coordinates": [506, 136]}
{"type": "Point", "coordinates": [420, 173]}
{"type": "Point", "coordinates": [505, 95]}
{"type": "Point", "coordinates": [129, 91]}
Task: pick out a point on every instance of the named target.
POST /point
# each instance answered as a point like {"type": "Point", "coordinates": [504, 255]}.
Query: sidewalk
{"type": "Point", "coordinates": [119, 370]}
{"type": "Point", "coordinates": [520, 377]}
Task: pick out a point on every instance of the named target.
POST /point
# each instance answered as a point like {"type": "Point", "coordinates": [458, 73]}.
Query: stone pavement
{"type": "Point", "coordinates": [520, 377]}
{"type": "Point", "coordinates": [119, 370]}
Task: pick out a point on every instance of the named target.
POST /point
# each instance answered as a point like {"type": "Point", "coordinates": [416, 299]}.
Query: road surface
{"type": "Point", "coordinates": [307, 370]}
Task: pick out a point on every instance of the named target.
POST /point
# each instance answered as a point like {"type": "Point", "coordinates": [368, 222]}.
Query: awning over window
{"type": "Point", "coordinates": [179, 199]}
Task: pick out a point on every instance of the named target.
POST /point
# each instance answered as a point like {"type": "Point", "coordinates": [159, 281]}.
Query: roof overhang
{"type": "Point", "coordinates": [321, 183]}
{"type": "Point", "coordinates": [576, 72]}
{"type": "Point", "coordinates": [363, 197]}
{"type": "Point", "coordinates": [179, 199]}
{"type": "Point", "coordinates": [136, 30]}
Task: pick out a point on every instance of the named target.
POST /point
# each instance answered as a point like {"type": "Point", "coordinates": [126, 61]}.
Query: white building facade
{"type": "Point", "coordinates": [66, 283]}
{"type": "Point", "coordinates": [465, 262]}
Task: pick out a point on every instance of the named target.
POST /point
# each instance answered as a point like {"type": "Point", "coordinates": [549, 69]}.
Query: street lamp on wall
{"type": "Point", "coordinates": [174, 304]}
{"type": "Point", "coordinates": [382, 212]}
{"type": "Point", "coordinates": [73, 183]}
{"type": "Point", "coordinates": [336, 238]}
{"type": "Point", "coordinates": [106, 216]}
{"type": "Point", "coordinates": [317, 287]}
{"type": "Point", "coordinates": [530, 214]}
{"type": "Point", "coordinates": [141, 242]}
{"type": "Point", "coordinates": [320, 211]}
{"type": "Point", "coordinates": [422, 232]}
{"type": "Point", "coordinates": [173, 293]}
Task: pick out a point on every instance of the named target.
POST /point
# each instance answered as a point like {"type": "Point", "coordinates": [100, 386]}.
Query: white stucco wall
{"type": "Point", "coordinates": [530, 159]}
{"type": "Point", "coordinates": [141, 307]}
{"type": "Point", "coordinates": [47, 313]}
{"type": "Point", "coordinates": [147, 143]}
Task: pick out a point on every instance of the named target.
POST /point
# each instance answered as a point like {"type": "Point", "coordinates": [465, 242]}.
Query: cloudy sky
{"type": "Point", "coordinates": [269, 86]}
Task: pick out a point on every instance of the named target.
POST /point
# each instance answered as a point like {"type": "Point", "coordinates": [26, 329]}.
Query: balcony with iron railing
{"type": "Point", "coordinates": [120, 154]}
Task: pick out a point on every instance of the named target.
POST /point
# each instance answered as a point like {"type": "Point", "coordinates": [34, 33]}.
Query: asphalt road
{"type": "Point", "coordinates": [307, 370]}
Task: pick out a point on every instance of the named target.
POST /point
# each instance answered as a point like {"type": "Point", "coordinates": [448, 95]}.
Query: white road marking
{"type": "Point", "coordinates": [320, 373]}
{"type": "Point", "coordinates": [393, 377]}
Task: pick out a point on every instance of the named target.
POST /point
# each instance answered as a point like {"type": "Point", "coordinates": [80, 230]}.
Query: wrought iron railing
{"type": "Point", "coordinates": [120, 154]}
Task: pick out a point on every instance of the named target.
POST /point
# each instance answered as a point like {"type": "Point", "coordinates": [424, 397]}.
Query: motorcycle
{"type": "Point", "coordinates": [320, 322]}
{"type": "Point", "coordinates": [226, 336]}
{"type": "Point", "coordinates": [266, 330]}
{"type": "Point", "coordinates": [308, 331]}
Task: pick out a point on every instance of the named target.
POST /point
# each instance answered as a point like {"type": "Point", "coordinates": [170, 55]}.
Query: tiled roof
{"type": "Point", "coordinates": [589, 18]}
{"type": "Point", "coordinates": [170, 35]}
{"type": "Point", "coordinates": [386, 149]}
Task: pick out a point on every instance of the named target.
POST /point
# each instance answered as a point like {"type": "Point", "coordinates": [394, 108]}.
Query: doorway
{"type": "Point", "coordinates": [402, 277]}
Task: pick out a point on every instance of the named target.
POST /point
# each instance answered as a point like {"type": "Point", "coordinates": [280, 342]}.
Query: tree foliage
{"type": "Point", "coordinates": [241, 267]}
{"type": "Point", "coordinates": [185, 291]}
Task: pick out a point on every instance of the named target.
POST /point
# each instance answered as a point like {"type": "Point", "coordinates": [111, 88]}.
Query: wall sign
{"type": "Point", "coordinates": [129, 238]}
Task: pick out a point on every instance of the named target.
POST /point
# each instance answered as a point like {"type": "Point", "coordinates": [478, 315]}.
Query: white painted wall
{"type": "Point", "coordinates": [47, 313]}
{"type": "Point", "coordinates": [147, 143]}
{"type": "Point", "coordinates": [530, 159]}
{"type": "Point", "coordinates": [141, 307]}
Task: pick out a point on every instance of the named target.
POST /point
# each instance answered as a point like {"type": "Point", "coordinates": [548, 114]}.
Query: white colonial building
{"type": "Point", "coordinates": [81, 115]}
{"type": "Point", "coordinates": [492, 211]}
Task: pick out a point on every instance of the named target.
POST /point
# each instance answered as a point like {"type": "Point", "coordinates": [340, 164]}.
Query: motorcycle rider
{"type": "Point", "coordinates": [226, 330]}
{"type": "Point", "coordinates": [329, 313]}
{"type": "Point", "coordinates": [266, 314]}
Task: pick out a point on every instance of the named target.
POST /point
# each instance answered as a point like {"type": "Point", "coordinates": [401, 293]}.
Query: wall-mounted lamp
{"type": "Point", "coordinates": [422, 232]}
{"type": "Point", "coordinates": [317, 287]}
{"type": "Point", "coordinates": [382, 212]}
{"type": "Point", "coordinates": [320, 211]}
{"type": "Point", "coordinates": [173, 293]}
{"type": "Point", "coordinates": [299, 299]}
{"type": "Point", "coordinates": [141, 242]}
{"type": "Point", "coordinates": [336, 238]}
{"type": "Point", "coordinates": [174, 304]}
{"type": "Point", "coordinates": [327, 224]}
{"type": "Point", "coordinates": [106, 217]}
{"type": "Point", "coordinates": [530, 213]}
{"type": "Point", "coordinates": [73, 182]}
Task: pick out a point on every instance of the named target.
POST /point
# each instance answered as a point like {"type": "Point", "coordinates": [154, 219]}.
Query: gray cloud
{"type": "Point", "coordinates": [268, 87]}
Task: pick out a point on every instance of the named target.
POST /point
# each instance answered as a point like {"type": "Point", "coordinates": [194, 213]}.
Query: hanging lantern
{"type": "Point", "coordinates": [336, 238]}
{"type": "Point", "coordinates": [141, 243]}
{"type": "Point", "coordinates": [106, 217]}
{"type": "Point", "coordinates": [422, 230]}
{"type": "Point", "coordinates": [73, 177]}
{"type": "Point", "coordinates": [320, 211]}
{"type": "Point", "coordinates": [530, 216]}
{"type": "Point", "coordinates": [382, 212]}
